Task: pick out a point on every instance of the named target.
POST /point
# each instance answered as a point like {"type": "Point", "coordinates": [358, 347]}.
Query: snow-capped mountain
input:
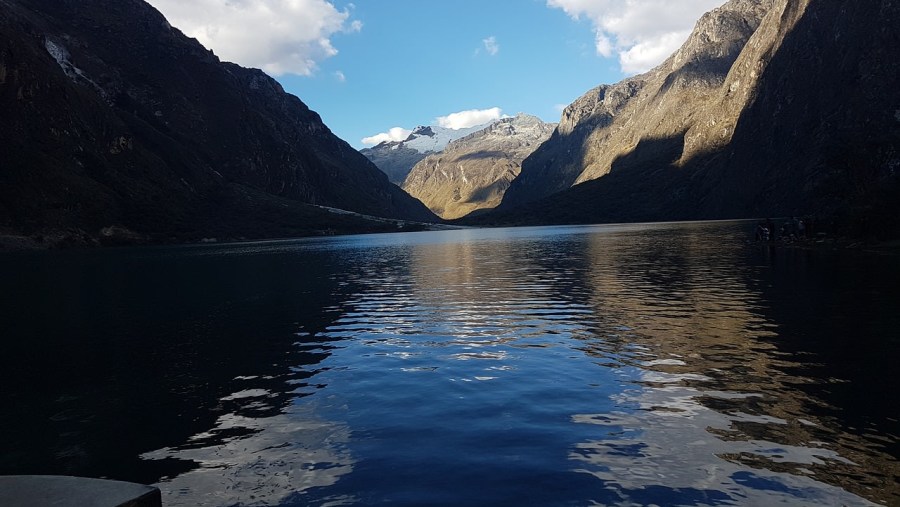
{"type": "Point", "coordinates": [434, 139]}
{"type": "Point", "coordinates": [397, 158]}
{"type": "Point", "coordinates": [472, 173]}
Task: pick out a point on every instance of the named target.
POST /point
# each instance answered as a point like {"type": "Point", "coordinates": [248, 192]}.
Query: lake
{"type": "Point", "coordinates": [668, 364]}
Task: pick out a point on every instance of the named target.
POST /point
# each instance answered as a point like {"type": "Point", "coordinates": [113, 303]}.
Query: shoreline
{"type": "Point", "coordinates": [79, 240]}
{"type": "Point", "coordinates": [835, 243]}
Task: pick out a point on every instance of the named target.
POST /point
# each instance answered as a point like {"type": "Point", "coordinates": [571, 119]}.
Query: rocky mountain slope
{"type": "Point", "coordinates": [473, 172]}
{"type": "Point", "coordinates": [114, 121]}
{"type": "Point", "coordinates": [771, 107]}
{"type": "Point", "coordinates": [397, 158]}
{"type": "Point", "coordinates": [673, 98]}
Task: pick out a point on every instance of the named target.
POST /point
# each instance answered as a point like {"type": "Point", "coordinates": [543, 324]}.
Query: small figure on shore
{"type": "Point", "coordinates": [762, 232]}
{"type": "Point", "coordinates": [788, 229]}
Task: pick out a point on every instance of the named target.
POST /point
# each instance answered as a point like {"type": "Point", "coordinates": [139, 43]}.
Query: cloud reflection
{"type": "Point", "coordinates": [272, 460]}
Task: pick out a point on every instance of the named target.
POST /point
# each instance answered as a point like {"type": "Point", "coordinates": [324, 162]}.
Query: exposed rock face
{"type": "Point", "coordinates": [394, 159]}
{"type": "Point", "coordinates": [771, 107]}
{"type": "Point", "coordinates": [551, 169]}
{"type": "Point", "coordinates": [113, 119]}
{"type": "Point", "coordinates": [397, 158]}
{"type": "Point", "coordinates": [473, 173]}
{"type": "Point", "coordinates": [609, 121]}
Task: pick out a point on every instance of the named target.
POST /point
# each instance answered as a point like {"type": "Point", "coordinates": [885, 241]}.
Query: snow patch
{"type": "Point", "coordinates": [440, 139]}
{"type": "Point", "coordinates": [423, 139]}
{"type": "Point", "coordinates": [59, 53]}
{"type": "Point", "coordinates": [62, 57]}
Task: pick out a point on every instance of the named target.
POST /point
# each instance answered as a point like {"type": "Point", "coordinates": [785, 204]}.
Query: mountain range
{"type": "Point", "coordinates": [116, 127]}
{"type": "Point", "coordinates": [472, 173]}
{"type": "Point", "coordinates": [397, 158]}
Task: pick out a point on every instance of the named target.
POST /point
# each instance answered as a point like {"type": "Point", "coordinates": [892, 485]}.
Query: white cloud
{"type": "Point", "coordinates": [355, 26]}
{"type": "Point", "coordinates": [277, 36]}
{"type": "Point", "coordinates": [646, 55]}
{"type": "Point", "coordinates": [491, 45]}
{"type": "Point", "coordinates": [604, 45]}
{"type": "Point", "coordinates": [395, 134]}
{"type": "Point", "coordinates": [642, 33]}
{"type": "Point", "coordinates": [454, 121]}
{"type": "Point", "coordinates": [341, 78]}
{"type": "Point", "coordinates": [470, 118]}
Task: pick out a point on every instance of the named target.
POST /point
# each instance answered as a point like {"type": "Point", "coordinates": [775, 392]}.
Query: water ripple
{"type": "Point", "coordinates": [616, 365]}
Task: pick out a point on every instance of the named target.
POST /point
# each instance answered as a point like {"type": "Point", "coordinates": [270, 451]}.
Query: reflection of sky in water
{"type": "Point", "coordinates": [668, 441]}
{"type": "Point", "coordinates": [269, 461]}
{"type": "Point", "coordinates": [497, 368]}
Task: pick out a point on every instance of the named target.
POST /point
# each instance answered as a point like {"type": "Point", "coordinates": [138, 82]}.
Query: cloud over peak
{"type": "Point", "coordinates": [470, 118]}
{"type": "Point", "coordinates": [453, 121]}
{"type": "Point", "coordinates": [277, 36]}
{"type": "Point", "coordinates": [395, 134]}
{"type": "Point", "coordinates": [641, 32]}
{"type": "Point", "coordinates": [491, 45]}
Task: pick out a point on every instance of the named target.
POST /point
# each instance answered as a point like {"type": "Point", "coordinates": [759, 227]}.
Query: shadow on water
{"type": "Point", "coordinates": [641, 364]}
{"type": "Point", "coordinates": [111, 354]}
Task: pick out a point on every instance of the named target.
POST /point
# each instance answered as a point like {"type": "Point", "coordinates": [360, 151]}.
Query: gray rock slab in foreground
{"type": "Point", "coordinates": [62, 491]}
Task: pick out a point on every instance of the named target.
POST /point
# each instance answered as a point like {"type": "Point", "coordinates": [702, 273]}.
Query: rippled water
{"type": "Point", "coordinates": [612, 365]}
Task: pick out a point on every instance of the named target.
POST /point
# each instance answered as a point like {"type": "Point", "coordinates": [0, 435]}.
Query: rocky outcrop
{"type": "Point", "coordinates": [113, 120]}
{"type": "Point", "coordinates": [551, 169]}
{"type": "Point", "coordinates": [474, 172]}
{"type": "Point", "coordinates": [671, 99]}
{"type": "Point", "coordinates": [394, 160]}
{"type": "Point", "coordinates": [771, 107]}
{"type": "Point", "coordinates": [397, 158]}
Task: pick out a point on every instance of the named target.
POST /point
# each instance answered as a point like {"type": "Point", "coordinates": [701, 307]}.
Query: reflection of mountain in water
{"type": "Point", "coordinates": [712, 381]}
{"type": "Point", "coordinates": [698, 402]}
{"type": "Point", "coordinates": [637, 364]}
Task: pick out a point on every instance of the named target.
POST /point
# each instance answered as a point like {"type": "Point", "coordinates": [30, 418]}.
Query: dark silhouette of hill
{"type": "Point", "coordinates": [117, 126]}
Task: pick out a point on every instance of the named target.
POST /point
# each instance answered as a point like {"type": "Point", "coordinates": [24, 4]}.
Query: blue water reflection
{"type": "Point", "coordinates": [667, 364]}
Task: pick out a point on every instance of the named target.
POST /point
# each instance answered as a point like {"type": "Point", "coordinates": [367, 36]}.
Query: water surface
{"type": "Point", "coordinates": [667, 364]}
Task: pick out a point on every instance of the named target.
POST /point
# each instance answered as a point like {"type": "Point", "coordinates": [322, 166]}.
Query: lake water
{"type": "Point", "coordinates": [608, 365]}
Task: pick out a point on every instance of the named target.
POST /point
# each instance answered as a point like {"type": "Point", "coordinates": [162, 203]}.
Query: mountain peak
{"type": "Point", "coordinates": [473, 172]}
{"type": "Point", "coordinates": [397, 158]}
{"type": "Point", "coordinates": [770, 107]}
{"type": "Point", "coordinates": [421, 130]}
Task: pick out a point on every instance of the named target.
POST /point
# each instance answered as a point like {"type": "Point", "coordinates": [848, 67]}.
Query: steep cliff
{"type": "Point", "coordinates": [669, 101]}
{"type": "Point", "coordinates": [771, 107]}
{"type": "Point", "coordinates": [114, 120]}
{"type": "Point", "coordinates": [473, 173]}
{"type": "Point", "coordinates": [552, 168]}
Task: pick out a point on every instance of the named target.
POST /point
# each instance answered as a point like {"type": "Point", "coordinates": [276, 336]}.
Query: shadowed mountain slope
{"type": "Point", "coordinates": [113, 120]}
{"type": "Point", "coordinates": [771, 107]}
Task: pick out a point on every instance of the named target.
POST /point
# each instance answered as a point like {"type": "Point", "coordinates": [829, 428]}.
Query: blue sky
{"type": "Point", "coordinates": [370, 65]}
{"type": "Point", "coordinates": [410, 64]}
